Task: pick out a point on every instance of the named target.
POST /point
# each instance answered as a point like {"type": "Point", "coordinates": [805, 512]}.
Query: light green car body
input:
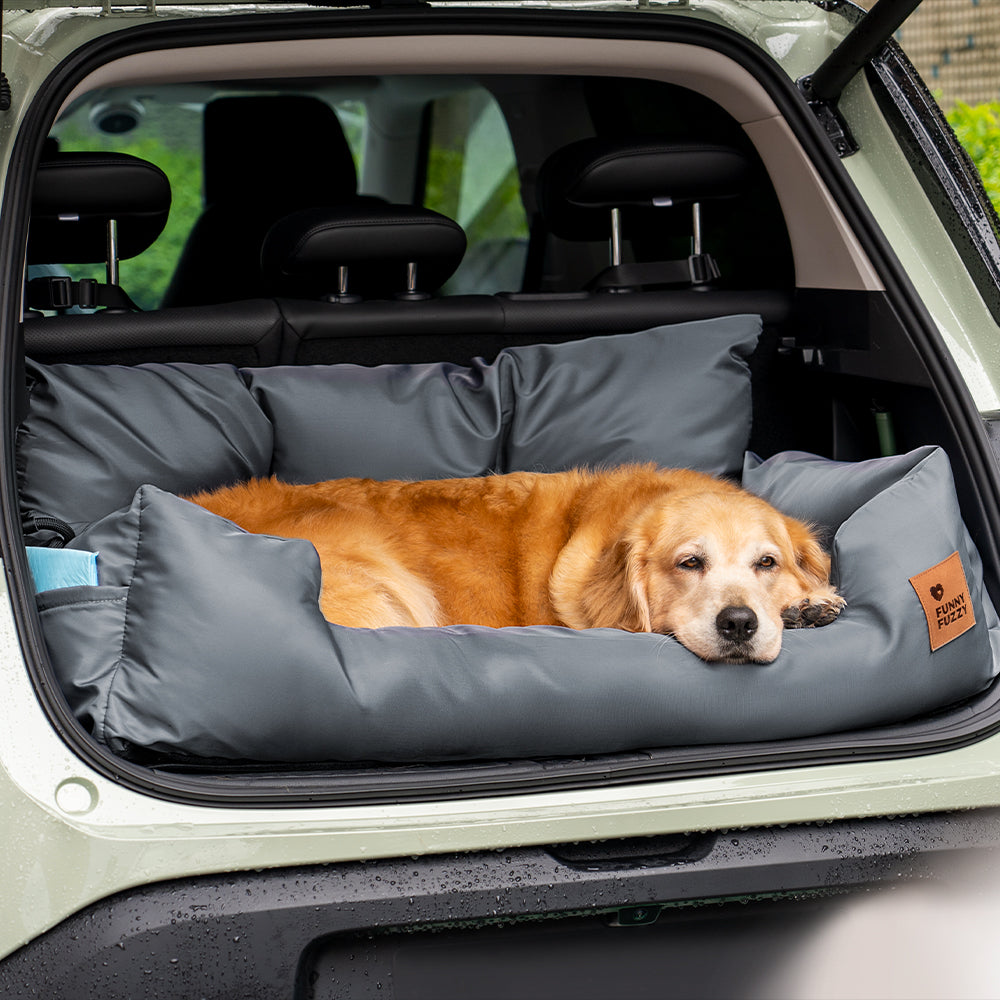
{"type": "Point", "coordinates": [72, 836]}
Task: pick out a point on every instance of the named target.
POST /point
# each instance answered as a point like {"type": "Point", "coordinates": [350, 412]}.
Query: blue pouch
{"type": "Point", "coordinates": [53, 569]}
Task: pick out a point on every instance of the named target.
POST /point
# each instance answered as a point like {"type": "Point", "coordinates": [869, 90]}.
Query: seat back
{"type": "Point", "coordinates": [249, 184]}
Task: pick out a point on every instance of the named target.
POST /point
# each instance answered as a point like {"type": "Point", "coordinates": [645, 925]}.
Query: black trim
{"type": "Point", "coordinates": [859, 47]}
{"type": "Point", "coordinates": [943, 168]}
{"type": "Point", "coordinates": [965, 425]}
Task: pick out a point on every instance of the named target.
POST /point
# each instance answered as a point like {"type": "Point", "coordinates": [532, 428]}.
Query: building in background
{"type": "Point", "coordinates": [955, 45]}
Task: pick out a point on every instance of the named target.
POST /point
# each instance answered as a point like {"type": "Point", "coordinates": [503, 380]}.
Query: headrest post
{"type": "Point", "coordinates": [112, 256]}
{"type": "Point", "coordinates": [411, 294]}
{"type": "Point", "coordinates": [616, 236]}
{"type": "Point", "coordinates": [341, 294]}
{"type": "Point", "coordinates": [696, 228]}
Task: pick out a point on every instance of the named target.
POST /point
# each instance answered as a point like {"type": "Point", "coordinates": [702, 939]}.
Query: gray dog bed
{"type": "Point", "coordinates": [201, 639]}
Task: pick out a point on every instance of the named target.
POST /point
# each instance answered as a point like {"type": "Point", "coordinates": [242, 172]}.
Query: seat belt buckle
{"type": "Point", "coordinates": [60, 289]}
{"type": "Point", "coordinates": [86, 292]}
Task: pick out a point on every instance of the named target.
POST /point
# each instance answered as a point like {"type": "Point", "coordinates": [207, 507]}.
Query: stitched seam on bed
{"type": "Point", "coordinates": [508, 367]}
{"type": "Point", "coordinates": [83, 604]}
{"type": "Point", "coordinates": [103, 725]}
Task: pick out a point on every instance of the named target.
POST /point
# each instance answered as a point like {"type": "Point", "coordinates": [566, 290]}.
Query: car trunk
{"type": "Point", "coordinates": [847, 366]}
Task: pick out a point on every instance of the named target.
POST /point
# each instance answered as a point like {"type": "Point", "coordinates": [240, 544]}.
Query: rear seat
{"type": "Point", "coordinates": [587, 191]}
{"type": "Point", "coordinates": [357, 279]}
{"type": "Point", "coordinates": [103, 207]}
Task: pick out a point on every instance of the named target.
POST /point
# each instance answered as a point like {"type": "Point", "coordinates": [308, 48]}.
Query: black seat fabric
{"type": "Point", "coordinates": [248, 334]}
{"type": "Point", "coordinates": [251, 182]}
{"type": "Point", "coordinates": [458, 328]}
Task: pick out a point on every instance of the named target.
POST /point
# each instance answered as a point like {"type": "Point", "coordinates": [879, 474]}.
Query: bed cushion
{"type": "Point", "coordinates": [264, 677]}
{"type": "Point", "coordinates": [94, 433]}
{"type": "Point", "coordinates": [677, 395]}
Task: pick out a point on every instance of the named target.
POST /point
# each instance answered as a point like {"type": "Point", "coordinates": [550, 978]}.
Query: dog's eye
{"type": "Point", "coordinates": [692, 562]}
{"type": "Point", "coordinates": [767, 562]}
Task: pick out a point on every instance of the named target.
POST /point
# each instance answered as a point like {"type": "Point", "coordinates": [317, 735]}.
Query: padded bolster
{"type": "Point", "coordinates": [580, 182]}
{"type": "Point", "coordinates": [676, 395]}
{"type": "Point", "coordinates": [264, 677]}
{"type": "Point", "coordinates": [75, 195]}
{"type": "Point", "coordinates": [374, 241]}
{"type": "Point", "coordinates": [184, 427]}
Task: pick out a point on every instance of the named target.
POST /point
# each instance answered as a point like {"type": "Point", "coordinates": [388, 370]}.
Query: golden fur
{"type": "Point", "coordinates": [635, 548]}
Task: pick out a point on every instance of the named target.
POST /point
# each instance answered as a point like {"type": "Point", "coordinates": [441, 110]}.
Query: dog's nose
{"type": "Point", "coordinates": [737, 623]}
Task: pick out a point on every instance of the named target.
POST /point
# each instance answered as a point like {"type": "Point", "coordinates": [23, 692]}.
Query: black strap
{"type": "Point", "coordinates": [62, 292]}
{"type": "Point", "coordinates": [34, 523]}
{"type": "Point", "coordinates": [698, 269]}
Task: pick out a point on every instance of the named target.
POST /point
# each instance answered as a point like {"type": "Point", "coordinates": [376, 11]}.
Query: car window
{"type": "Point", "coordinates": [471, 177]}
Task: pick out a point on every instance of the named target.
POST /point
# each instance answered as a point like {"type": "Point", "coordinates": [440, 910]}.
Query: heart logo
{"type": "Point", "coordinates": [937, 592]}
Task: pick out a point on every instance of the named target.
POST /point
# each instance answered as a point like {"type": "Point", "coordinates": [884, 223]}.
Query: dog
{"type": "Point", "coordinates": [638, 548]}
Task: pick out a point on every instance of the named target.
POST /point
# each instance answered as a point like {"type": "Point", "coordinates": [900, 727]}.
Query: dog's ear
{"type": "Point", "coordinates": [615, 593]}
{"type": "Point", "coordinates": [811, 559]}
{"type": "Point", "coordinates": [596, 585]}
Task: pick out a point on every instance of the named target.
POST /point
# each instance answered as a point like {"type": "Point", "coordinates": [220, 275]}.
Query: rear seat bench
{"type": "Point", "coordinates": [356, 278]}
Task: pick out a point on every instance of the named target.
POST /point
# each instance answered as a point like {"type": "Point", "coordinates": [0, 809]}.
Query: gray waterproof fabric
{"type": "Point", "coordinates": [676, 395]}
{"type": "Point", "coordinates": [263, 676]}
{"type": "Point", "coordinates": [201, 639]}
{"type": "Point", "coordinates": [95, 433]}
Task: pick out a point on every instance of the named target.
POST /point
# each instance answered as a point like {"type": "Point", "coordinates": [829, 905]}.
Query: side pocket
{"type": "Point", "coordinates": [83, 632]}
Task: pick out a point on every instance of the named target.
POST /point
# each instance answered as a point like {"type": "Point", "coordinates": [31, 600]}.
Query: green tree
{"type": "Point", "coordinates": [978, 130]}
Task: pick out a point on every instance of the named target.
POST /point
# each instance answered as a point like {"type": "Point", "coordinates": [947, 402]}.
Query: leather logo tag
{"type": "Point", "coordinates": [943, 593]}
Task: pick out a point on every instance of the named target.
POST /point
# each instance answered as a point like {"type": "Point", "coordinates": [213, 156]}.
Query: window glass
{"type": "Point", "coordinates": [472, 178]}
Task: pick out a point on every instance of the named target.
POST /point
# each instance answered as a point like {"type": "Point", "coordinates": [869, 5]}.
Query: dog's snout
{"type": "Point", "coordinates": [736, 623]}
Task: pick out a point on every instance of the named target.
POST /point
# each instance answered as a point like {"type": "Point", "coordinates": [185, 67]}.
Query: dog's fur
{"type": "Point", "coordinates": [635, 548]}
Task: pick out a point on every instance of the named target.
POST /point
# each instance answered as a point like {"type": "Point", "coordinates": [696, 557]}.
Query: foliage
{"type": "Point", "coordinates": [978, 130]}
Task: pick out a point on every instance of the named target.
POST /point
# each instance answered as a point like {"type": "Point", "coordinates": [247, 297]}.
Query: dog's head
{"type": "Point", "coordinates": [713, 569]}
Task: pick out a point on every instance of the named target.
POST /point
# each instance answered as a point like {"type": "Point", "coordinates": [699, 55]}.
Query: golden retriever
{"type": "Point", "coordinates": [637, 548]}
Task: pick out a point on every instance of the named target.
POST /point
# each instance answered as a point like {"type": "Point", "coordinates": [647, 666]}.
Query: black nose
{"type": "Point", "coordinates": [736, 623]}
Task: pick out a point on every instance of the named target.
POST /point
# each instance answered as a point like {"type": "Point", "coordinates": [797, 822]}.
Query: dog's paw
{"type": "Point", "coordinates": [813, 613]}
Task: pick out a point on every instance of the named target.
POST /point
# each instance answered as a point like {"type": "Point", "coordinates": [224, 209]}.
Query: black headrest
{"type": "Point", "coordinates": [76, 194]}
{"type": "Point", "coordinates": [374, 240]}
{"type": "Point", "coordinates": [580, 183]}
{"type": "Point", "coordinates": [285, 148]}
